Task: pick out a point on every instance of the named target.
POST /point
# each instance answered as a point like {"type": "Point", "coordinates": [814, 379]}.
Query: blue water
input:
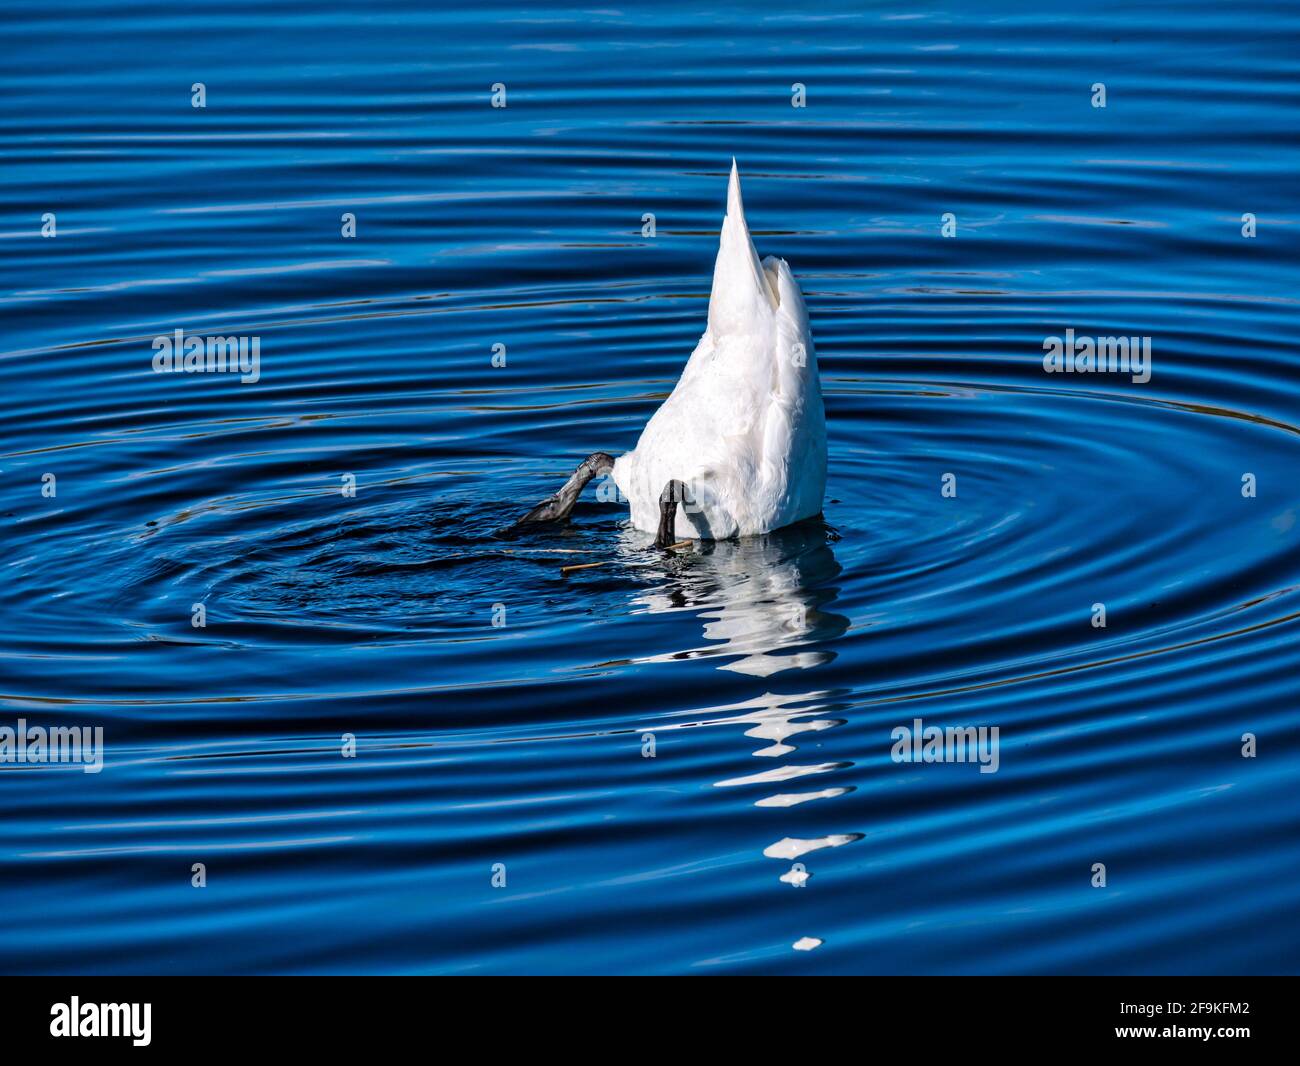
{"type": "Point", "coordinates": [770, 667]}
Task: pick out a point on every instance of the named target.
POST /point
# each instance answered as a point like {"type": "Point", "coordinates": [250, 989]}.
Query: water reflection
{"type": "Point", "coordinates": [764, 599]}
{"type": "Point", "coordinates": [765, 604]}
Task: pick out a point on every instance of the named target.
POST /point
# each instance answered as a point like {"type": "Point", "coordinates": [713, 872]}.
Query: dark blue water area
{"type": "Point", "coordinates": [501, 813]}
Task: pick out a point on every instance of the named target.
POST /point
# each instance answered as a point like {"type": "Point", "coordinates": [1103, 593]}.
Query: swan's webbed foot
{"type": "Point", "coordinates": [556, 508]}
{"type": "Point", "coordinates": [673, 494]}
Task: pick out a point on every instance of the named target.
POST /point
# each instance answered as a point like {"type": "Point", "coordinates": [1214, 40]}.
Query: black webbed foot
{"type": "Point", "coordinates": [557, 507]}
{"type": "Point", "coordinates": [673, 494]}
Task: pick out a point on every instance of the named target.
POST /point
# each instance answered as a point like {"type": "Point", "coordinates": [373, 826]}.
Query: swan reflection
{"type": "Point", "coordinates": [762, 598]}
{"type": "Point", "coordinates": [764, 603]}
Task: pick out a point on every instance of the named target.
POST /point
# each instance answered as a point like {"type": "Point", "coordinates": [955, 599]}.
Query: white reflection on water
{"type": "Point", "coordinates": [764, 605]}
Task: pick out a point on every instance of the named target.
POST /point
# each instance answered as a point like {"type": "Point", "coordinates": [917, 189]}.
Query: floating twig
{"type": "Point", "coordinates": [564, 570]}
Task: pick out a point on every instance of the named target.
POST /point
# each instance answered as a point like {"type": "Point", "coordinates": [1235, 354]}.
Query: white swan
{"type": "Point", "coordinates": [740, 443]}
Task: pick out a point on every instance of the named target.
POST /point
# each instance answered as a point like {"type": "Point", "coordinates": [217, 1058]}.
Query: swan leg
{"type": "Point", "coordinates": [556, 508]}
{"type": "Point", "coordinates": [673, 494]}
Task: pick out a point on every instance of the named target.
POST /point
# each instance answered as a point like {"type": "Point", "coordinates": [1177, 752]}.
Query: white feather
{"type": "Point", "coordinates": [744, 429]}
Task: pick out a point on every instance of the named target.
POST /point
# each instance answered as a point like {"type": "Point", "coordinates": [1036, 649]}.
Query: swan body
{"type": "Point", "coordinates": [744, 430]}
